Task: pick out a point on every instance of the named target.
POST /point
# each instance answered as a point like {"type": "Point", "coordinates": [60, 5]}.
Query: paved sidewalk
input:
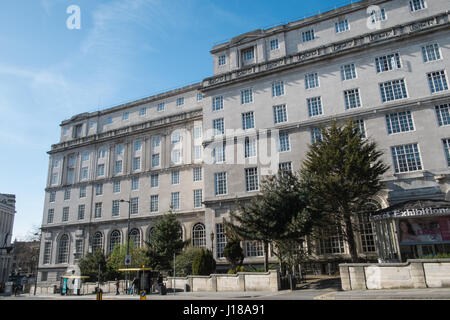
{"type": "Point", "coordinates": [154, 296]}
{"type": "Point", "coordinates": [392, 294]}
{"type": "Point", "coordinates": [301, 294]}
{"type": "Point", "coordinates": [315, 288]}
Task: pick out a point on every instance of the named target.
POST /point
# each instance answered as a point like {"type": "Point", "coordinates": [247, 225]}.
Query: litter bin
{"type": "Point", "coordinates": [163, 290]}
{"type": "Point", "coordinates": [186, 287]}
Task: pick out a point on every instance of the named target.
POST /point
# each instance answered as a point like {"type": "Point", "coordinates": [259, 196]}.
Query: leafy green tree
{"type": "Point", "coordinates": [234, 254]}
{"type": "Point", "coordinates": [93, 265]}
{"type": "Point", "coordinates": [344, 171]}
{"type": "Point", "coordinates": [289, 253]}
{"type": "Point", "coordinates": [166, 241]}
{"type": "Point", "coordinates": [277, 212]}
{"type": "Point", "coordinates": [116, 260]}
{"type": "Point", "coordinates": [203, 263]}
{"type": "Point", "coordinates": [184, 261]}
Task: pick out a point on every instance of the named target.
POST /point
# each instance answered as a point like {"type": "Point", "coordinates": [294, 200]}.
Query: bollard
{"type": "Point", "coordinates": [99, 294]}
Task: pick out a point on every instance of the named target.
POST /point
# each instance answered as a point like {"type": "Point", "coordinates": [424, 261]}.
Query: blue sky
{"type": "Point", "coordinates": [125, 50]}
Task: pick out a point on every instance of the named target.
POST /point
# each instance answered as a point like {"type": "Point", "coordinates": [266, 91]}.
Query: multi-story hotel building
{"type": "Point", "coordinates": [199, 148]}
{"type": "Point", "coordinates": [7, 213]}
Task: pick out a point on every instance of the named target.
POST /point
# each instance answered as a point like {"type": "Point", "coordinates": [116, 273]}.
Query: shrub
{"type": "Point", "coordinates": [234, 254]}
{"type": "Point", "coordinates": [203, 263]}
{"type": "Point", "coordinates": [236, 270]}
{"type": "Point", "coordinates": [184, 261]}
{"type": "Point", "coordinates": [438, 256]}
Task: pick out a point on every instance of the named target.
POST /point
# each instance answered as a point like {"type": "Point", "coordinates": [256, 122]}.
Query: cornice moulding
{"type": "Point", "coordinates": [329, 51]}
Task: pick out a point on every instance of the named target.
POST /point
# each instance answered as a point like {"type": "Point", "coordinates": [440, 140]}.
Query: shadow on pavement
{"type": "Point", "coordinates": [321, 284]}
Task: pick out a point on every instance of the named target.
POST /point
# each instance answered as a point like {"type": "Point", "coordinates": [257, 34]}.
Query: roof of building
{"type": "Point", "coordinates": [307, 20]}
{"type": "Point", "coordinates": [416, 204]}
{"type": "Point", "coordinates": [149, 99]}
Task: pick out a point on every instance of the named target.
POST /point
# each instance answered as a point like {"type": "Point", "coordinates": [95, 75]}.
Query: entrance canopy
{"type": "Point", "coordinates": [413, 209]}
{"type": "Point", "coordinates": [412, 229]}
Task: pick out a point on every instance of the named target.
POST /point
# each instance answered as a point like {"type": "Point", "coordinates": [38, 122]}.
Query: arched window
{"type": "Point", "coordinates": [114, 239]}
{"type": "Point", "coordinates": [97, 241]}
{"type": "Point", "coordinates": [181, 232]}
{"type": "Point", "coordinates": [366, 230]}
{"type": "Point", "coordinates": [198, 235]}
{"type": "Point", "coordinates": [150, 234]}
{"type": "Point", "coordinates": [135, 237]}
{"type": "Point", "coordinates": [63, 249]}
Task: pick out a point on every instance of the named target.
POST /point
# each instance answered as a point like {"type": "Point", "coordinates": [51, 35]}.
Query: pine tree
{"type": "Point", "coordinates": [166, 241]}
{"type": "Point", "coordinates": [278, 212]}
{"type": "Point", "coordinates": [344, 171]}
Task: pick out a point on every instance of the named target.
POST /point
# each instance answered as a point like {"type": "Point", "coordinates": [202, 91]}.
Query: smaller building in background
{"type": "Point", "coordinates": [25, 255]}
{"type": "Point", "coordinates": [24, 258]}
{"type": "Point", "coordinates": [7, 212]}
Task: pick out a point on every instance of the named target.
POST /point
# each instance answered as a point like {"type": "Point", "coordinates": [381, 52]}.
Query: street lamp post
{"type": "Point", "coordinates": [128, 238]}
{"type": "Point", "coordinates": [37, 260]}
{"type": "Point", "coordinates": [212, 241]}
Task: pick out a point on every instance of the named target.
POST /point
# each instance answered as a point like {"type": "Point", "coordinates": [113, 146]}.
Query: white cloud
{"type": "Point", "coordinates": [113, 21]}
{"type": "Point", "coordinates": [36, 77]}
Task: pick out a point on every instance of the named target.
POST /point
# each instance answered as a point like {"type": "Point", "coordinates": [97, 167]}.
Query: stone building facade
{"type": "Point", "coordinates": [381, 63]}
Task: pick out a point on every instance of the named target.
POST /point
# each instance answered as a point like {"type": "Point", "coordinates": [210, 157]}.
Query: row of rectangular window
{"type": "Point", "coordinates": [406, 158]}
{"type": "Point", "coordinates": [154, 182]}
{"type": "Point", "coordinates": [376, 15]}
{"type": "Point", "coordinates": [395, 122]}
{"type": "Point", "coordinates": [118, 166]}
{"type": "Point", "coordinates": [383, 63]}
{"type": "Point", "coordinates": [133, 207]}
{"type": "Point", "coordinates": [251, 179]}
{"type": "Point", "coordinates": [390, 91]}
{"type": "Point", "coordinates": [143, 111]}
{"type": "Point", "coordinates": [218, 152]}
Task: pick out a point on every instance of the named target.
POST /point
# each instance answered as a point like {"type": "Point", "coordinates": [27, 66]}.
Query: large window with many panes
{"type": "Point", "coordinates": [406, 158]}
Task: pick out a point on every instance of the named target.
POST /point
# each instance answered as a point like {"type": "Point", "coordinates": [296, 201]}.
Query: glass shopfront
{"type": "Point", "coordinates": [422, 237]}
{"type": "Point", "coordinates": [413, 230]}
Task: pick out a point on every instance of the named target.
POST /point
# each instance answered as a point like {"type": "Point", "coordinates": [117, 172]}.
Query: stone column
{"type": "Point", "coordinates": [418, 275]}
{"type": "Point", "coordinates": [345, 277]}
{"type": "Point", "coordinates": [213, 283]}
{"type": "Point", "coordinates": [274, 282]}
{"type": "Point", "coordinates": [357, 278]}
{"type": "Point", "coordinates": [241, 281]}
